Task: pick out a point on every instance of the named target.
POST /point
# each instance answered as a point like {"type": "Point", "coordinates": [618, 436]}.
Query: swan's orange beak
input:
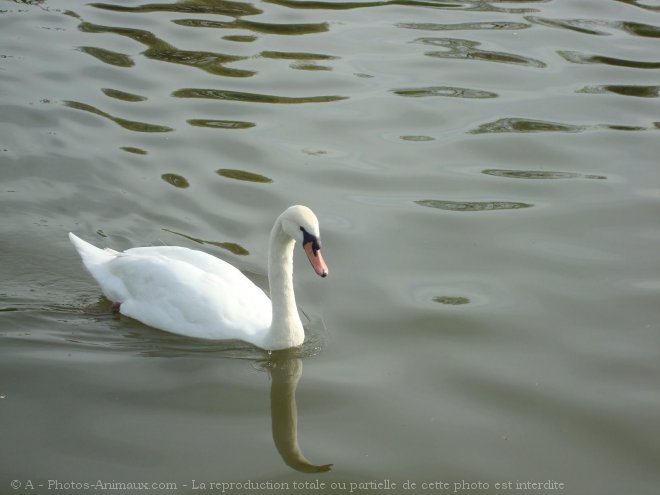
{"type": "Point", "coordinates": [315, 258]}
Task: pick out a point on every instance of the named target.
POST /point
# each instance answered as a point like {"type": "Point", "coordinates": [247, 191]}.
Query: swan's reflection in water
{"type": "Point", "coordinates": [285, 369]}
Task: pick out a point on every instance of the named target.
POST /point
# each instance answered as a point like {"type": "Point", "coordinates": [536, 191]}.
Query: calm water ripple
{"type": "Point", "coordinates": [222, 7]}
{"type": "Point", "coordinates": [108, 57]}
{"type": "Point", "coordinates": [539, 174]}
{"type": "Point", "coordinates": [465, 26]}
{"type": "Point", "coordinates": [641, 5]}
{"type": "Point", "coordinates": [625, 90]}
{"type": "Point", "coordinates": [221, 124]}
{"type": "Point", "coordinates": [218, 94]}
{"type": "Point", "coordinates": [126, 124]}
{"type": "Point", "coordinates": [588, 26]}
{"type": "Point", "coordinates": [229, 246]}
{"type": "Point", "coordinates": [158, 49]}
{"type": "Point", "coordinates": [257, 27]}
{"type": "Point", "coordinates": [466, 49]}
{"type": "Point", "coordinates": [583, 58]}
{"type": "Point", "coordinates": [303, 4]}
{"type": "Point", "coordinates": [526, 125]}
{"type": "Point", "coordinates": [445, 91]}
{"type": "Point", "coordinates": [471, 205]}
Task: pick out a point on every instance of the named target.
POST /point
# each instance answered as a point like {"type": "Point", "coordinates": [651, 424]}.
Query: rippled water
{"type": "Point", "coordinates": [486, 177]}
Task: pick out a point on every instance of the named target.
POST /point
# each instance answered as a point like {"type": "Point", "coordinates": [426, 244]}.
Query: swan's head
{"type": "Point", "coordinates": [301, 224]}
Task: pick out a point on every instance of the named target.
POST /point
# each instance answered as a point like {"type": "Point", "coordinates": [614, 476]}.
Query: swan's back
{"type": "Point", "coordinates": [180, 290]}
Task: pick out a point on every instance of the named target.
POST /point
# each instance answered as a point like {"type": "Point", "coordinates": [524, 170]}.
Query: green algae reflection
{"type": "Point", "coordinates": [134, 150]}
{"type": "Point", "coordinates": [176, 180]}
{"type": "Point", "coordinates": [451, 300]}
{"type": "Point", "coordinates": [243, 175]}
{"type": "Point", "coordinates": [123, 95]}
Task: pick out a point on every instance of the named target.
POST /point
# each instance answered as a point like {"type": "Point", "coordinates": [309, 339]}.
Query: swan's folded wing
{"type": "Point", "coordinates": [198, 259]}
{"type": "Point", "coordinates": [204, 299]}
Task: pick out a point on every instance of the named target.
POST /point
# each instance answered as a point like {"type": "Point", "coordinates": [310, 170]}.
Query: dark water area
{"type": "Point", "coordinates": [487, 181]}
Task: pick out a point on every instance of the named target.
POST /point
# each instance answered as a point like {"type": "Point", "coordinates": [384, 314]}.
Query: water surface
{"type": "Point", "coordinates": [486, 178]}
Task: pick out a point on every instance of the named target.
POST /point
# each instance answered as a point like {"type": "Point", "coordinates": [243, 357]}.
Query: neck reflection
{"type": "Point", "coordinates": [285, 371]}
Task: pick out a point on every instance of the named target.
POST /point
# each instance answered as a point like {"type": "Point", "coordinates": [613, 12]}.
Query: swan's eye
{"type": "Point", "coordinates": [307, 237]}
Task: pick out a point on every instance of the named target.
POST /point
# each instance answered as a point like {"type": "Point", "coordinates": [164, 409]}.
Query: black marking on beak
{"type": "Point", "coordinates": [307, 237]}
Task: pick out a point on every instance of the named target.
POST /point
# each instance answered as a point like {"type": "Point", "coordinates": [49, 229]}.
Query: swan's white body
{"type": "Point", "coordinates": [192, 293]}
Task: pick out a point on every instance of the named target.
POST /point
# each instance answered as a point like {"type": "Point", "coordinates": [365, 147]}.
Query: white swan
{"type": "Point", "coordinates": [192, 293]}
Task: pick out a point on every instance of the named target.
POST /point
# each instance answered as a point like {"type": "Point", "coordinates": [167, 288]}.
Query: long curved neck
{"type": "Point", "coordinates": [286, 328]}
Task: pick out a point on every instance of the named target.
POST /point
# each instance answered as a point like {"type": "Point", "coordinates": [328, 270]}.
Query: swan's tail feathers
{"type": "Point", "coordinates": [98, 264]}
{"type": "Point", "coordinates": [91, 255]}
